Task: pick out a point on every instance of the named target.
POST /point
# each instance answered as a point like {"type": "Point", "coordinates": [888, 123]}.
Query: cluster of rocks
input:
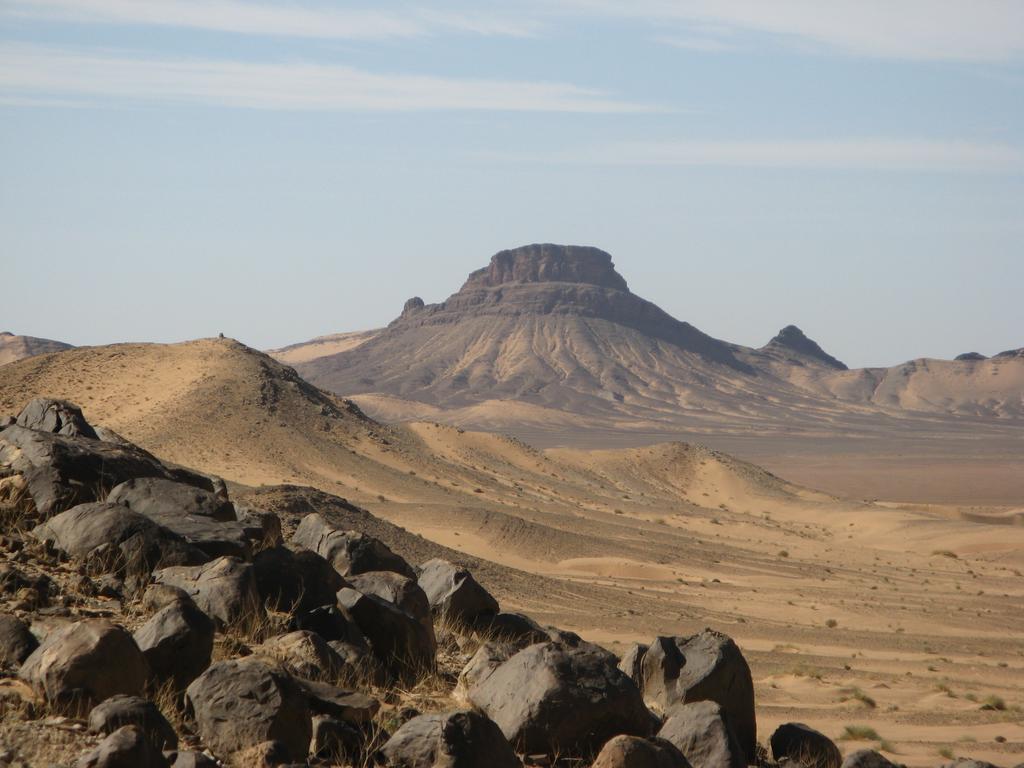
{"type": "Point", "coordinates": [325, 627]}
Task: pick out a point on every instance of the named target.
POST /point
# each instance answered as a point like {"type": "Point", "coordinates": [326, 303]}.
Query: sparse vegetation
{"type": "Point", "coordinates": [859, 733]}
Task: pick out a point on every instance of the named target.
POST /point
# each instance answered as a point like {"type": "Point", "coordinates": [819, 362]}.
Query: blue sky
{"type": "Point", "coordinates": [276, 171]}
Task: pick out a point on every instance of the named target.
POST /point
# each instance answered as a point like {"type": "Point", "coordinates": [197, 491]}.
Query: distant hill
{"type": "Point", "coordinates": [548, 330]}
{"type": "Point", "coordinates": [14, 347]}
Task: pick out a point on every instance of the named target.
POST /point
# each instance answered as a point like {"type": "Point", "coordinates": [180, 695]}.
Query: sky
{"type": "Point", "coordinates": [172, 169]}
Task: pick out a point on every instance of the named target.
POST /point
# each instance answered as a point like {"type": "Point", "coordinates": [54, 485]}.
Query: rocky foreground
{"type": "Point", "coordinates": [150, 619]}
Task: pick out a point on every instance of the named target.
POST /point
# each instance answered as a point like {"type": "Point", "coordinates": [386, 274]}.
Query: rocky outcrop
{"type": "Point", "coordinates": [83, 663]}
{"type": "Point", "coordinates": [62, 471]}
{"type": "Point", "coordinates": [703, 732]}
{"type": "Point", "coordinates": [240, 704]}
{"type": "Point", "coordinates": [58, 417]}
{"type": "Point", "coordinates": [119, 711]}
{"type": "Point", "coordinates": [350, 552]}
{"type": "Point", "coordinates": [707, 666]}
{"type": "Point", "coordinates": [295, 581]}
{"type": "Point", "coordinates": [161, 499]}
{"type": "Point", "coordinates": [224, 589]}
{"type": "Point", "coordinates": [551, 696]}
{"type": "Point", "coordinates": [400, 643]}
{"type": "Point", "coordinates": [792, 340]}
{"type": "Point", "coordinates": [112, 538]}
{"type": "Point", "coordinates": [453, 593]}
{"type": "Point", "coordinates": [177, 641]}
{"type": "Point", "coordinates": [463, 739]}
{"type": "Point", "coordinates": [547, 263]}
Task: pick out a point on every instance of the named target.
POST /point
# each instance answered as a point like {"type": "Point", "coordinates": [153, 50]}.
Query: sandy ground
{"type": "Point", "coordinates": [900, 617]}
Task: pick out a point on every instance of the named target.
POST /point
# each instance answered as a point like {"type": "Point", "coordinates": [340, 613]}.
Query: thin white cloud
{"type": "Point", "coordinates": [967, 30]}
{"type": "Point", "coordinates": [52, 73]}
{"type": "Point", "coordinates": [270, 19]}
{"type": "Point", "coordinates": [839, 154]}
{"type": "Point", "coordinates": [702, 44]}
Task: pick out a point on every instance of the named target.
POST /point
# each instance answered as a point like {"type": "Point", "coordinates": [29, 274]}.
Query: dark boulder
{"type": "Point", "coordinates": [703, 732]}
{"type": "Point", "coordinates": [400, 643]}
{"type": "Point", "coordinates": [295, 581]}
{"type": "Point", "coordinates": [126, 747]}
{"type": "Point", "coordinates": [81, 664]}
{"type": "Point", "coordinates": [58, 417]}
{"type": "Point", "coordinates": [340, 703]}
{"type": "Point", "coordinates": [240, 704]}
{"type": "Point", "coordinates": [454, 593]}
{"type": "Point", "coordinates": [177, 641]}
{"type": "Point", "coordinates": [552, 697]}
{"type": "Point", "coordinates": [463, 739]}
{"type": "Point", "coordinates": [112, 538]}
{"type": "Point", "coordinates": [805, 746]}
{"type": "Point", "coordinates": [707, 666]}
{"type": "Point", "coordinates": [350, 552]}
{"type": "Point", "coordinates": [16, 642]}
{"type": "Point", "coordinates": [398, 590]}
{"type": "Point", "coordinates": [201, 517]}
{"type": "Point", "coordinates": [119, 711]}
{"type": "Point", "coordinates": [157, 498]}
{"type": "Point", "coordinates": [61, 471]}
{"type": "Point", "coordinates": [224, 589]}
{"type": "Point", "coordinates": [634, 752]}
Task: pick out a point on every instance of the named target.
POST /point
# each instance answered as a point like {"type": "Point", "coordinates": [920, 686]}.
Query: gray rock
{"type": "Point", "coordinates": [62, 471]}
{"type": "Point", "coordinates": [463, 739]}
{"type": "Point", "coordinates": [58, 417]}
{"type": "Point", "coordinates": [126, 747]}
{"type": "Point", "coordinates": [705, 667]}
{"type": "Point", "coordinates": [634, 752]}
{"type": "Point", "coordinates": [454, 593]}
{"type": "Point", "coordinates": [488, 657]}
{"type": "Point", "coordinates": [224, 589]}
{"type": "Point", "coordinates": [16, 642]}
{"type": "Point", "coordinates": [866, 758]}
{"type": "Point", "coordinates": [703, 732]}
{"type": "Point", "coordinates": [400, 643]}
{"type": "Point", "coordinates": [805, 746]}
{"type": "Point", "coordinates": [81, 664]}
{"type": "Point", "coordinates": [967, 762]}
{"type": "Point", "coordinates": [113, 538]}
{"type": "Point", "coordinates": [350, 552]}
{"type": "Point", "coordinates": [632, 663]}
{"type": "Point", "coordinates": [157, 498]}
{"type": "Point", "coordinates": [119, 711]}
{"type": "Point", "coordinates": [554, 697]}
{"type": "Point", "coordinates": [398, 590]}
{"type": "Point", "coordinates": [177, 641]}
{"type": "Point", "coordinates": [304, 654]}
{"type": "Point", "coordinates": [240, 704]}
{"type": "Point", "coordinates": [295, 582]}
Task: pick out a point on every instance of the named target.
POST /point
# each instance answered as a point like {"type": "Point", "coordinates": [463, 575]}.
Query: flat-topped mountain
{"type": "Point", "coordinates": [14, 347]}
{"type": "Point", "coordinates": [547, 332]}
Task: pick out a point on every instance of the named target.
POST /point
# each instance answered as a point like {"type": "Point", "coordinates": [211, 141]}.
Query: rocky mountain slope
{"type": "Point", "coordinates": [556, 327]}
{"type": "Point", "coordinates": [14, 347]}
